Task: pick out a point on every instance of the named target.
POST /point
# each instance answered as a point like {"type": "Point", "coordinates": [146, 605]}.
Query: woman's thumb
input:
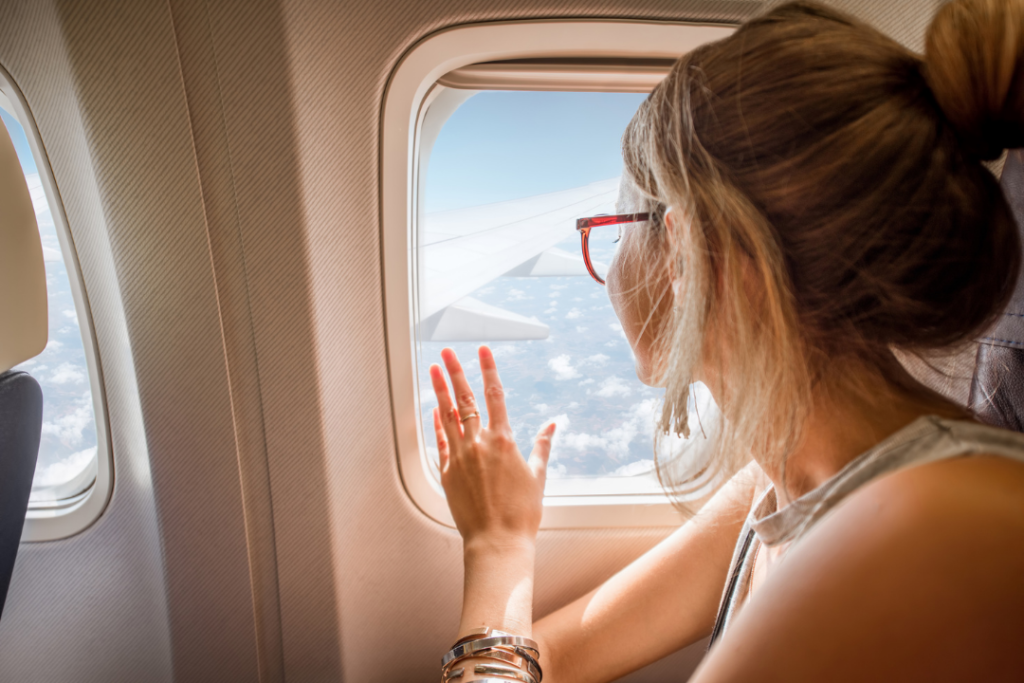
{"type": "Point", "coordinates": [542, 450]}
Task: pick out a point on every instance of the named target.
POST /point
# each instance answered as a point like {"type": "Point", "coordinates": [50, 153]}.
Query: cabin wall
{"type": "Point", "coordinates": [218, 161]}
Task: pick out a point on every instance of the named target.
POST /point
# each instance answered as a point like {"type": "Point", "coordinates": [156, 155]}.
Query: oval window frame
{"type": "Point", "coordinates": [55, 520]}
{"type": "Point", "coordinates": [405, 101]}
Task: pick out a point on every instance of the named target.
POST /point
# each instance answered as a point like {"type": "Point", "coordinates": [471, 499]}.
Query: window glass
{"type": "Point", "coordinates": [67, 451]}
{"type": "Point", "coordinates": [499, 262]}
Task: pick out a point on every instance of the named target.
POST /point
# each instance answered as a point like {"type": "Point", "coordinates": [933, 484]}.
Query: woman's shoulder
{"type": "Point", "coordinates": [957, 513]}
{"type": "Point", "coordinates": [976, 480]}
{"type": "Point", "coordinates": [916, 576]}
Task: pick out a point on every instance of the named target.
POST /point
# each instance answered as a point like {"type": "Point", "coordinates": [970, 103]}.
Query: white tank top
{"type": "Point", "coordinates": [926, 439]}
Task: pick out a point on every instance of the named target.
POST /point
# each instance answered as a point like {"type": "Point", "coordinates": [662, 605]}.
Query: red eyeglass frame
{"type": "Point", "coordinates": [584, 226]}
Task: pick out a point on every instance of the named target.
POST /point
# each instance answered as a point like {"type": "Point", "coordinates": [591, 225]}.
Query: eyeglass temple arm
{"type": "Point", "coordinates": [596, 221]}
{"type": "Point", "coordinates": [584, 239]}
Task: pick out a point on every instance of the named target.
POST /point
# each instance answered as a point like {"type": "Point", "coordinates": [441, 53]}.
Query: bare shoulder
{"type": "Point", "coordinates": [916, 576]}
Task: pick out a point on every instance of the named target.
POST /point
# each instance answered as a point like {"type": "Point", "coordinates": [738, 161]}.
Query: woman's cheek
{"type": "Point", "coordinates": [640, 307]}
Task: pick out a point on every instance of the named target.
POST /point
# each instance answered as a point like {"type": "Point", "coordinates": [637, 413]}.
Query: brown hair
{"type": "Point", "coordinates": [832, 205]}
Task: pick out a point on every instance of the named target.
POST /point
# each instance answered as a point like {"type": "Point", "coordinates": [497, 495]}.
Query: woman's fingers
{"type": "Point", "coordinates": [542, 451]}
{"type": "Point", "coordinates": [469, 413]}
{"type": "Point", "coordinates": [494, 394]}
{"type": "Point", "coordinates": [442, 441]}
{"type": "Point", "coordinates": [448, 416]}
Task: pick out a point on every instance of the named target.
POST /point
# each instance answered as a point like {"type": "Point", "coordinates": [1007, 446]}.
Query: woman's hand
{"type": "Point", "coordinates": [495, 496]}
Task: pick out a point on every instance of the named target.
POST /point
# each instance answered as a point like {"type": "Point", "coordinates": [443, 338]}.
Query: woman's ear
{"type": "Point", "coordinates": [671, 222]}
{"type": "Point", "coordinates": [672, 225]}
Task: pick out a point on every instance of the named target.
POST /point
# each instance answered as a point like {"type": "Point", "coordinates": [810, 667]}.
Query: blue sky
{"type": "Point", "coordinates": [28, 164]}
{"type": "Point", "coordinates": [507, 145]}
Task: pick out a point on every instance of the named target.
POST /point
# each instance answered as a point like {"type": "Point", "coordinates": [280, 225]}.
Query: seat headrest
{"type": "Point", "coordinates": [1009, 329]}
{"type": "Point", "coordinates": [23, 314]}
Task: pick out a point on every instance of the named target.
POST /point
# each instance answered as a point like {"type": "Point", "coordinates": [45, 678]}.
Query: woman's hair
{"type": "Point", "coordinates": [830, 204]}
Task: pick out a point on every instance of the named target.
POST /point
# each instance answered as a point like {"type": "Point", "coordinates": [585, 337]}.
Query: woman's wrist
{"type": "Point", "coordinates": [498, 584]}
{"type": "Point", "coordinates": [499, 545]}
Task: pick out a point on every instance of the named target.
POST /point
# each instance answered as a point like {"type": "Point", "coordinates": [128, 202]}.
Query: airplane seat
{"type": "Point", "coordinates": [23, 334]}
{"type": "Point", "coordinates": [21, 421]}
{"type": "Point", "coordinates": [997, 388]}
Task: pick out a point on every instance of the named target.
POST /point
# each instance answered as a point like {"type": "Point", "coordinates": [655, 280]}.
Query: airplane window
{"type": "Point", "coordinates": [67, 463]}
{"type": "Point", "coordinates": [499, 262]}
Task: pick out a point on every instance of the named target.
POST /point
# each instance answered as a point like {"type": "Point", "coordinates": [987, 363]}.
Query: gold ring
{"type": "Point", "coordinates": [469, 417]}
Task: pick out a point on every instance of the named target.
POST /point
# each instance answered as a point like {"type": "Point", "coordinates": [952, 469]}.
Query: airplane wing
{"type": "Point", "coordinates": [462, 250]}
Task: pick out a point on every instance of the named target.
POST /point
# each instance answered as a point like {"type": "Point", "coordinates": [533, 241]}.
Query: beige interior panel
{"type": "Point", "coordinates": [23, 318]}
{"type": "Point", "coordinates": [218, 163]}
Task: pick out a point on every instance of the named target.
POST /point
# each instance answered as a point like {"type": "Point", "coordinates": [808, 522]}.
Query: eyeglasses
{"type": "Point", "coordinates": [585, 225]}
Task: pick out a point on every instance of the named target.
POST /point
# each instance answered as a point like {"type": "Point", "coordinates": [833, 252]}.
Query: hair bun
{"type": "Point", "coordinates": [974, 56]}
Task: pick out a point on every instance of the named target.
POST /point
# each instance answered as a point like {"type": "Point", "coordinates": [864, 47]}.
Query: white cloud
{"type": "Point", "coordinates": [556, 470]}
{"type": "Point", "coordinates": [68, 428]}
{"type": "Point", "coordinates": [64, 470]}
{"type": "Point", "coordinates": [53, 344]}
{"type": "Point", "coordinates": [563, 370]}
{"type": "Point", "coordinates": [579, 441]}
{"type": "Point", "coordinates": [574, 314]}
{"type": "Point", "coordinates": [540, 407]}
{"type": "Point", "coordinates": [551, 311]}
{"type": "Point", "coordinates": [554, 295]}
{"type": "Point", "coordinates": [517, 295]}
{"type": "Point", "coordinates": [51, 255]}
{"type": "Point", "coordinates": [634, 468]}
{"type": "Point", "coordinates": [561, 422]}
{"type": "Point", "coordinates": [589, 380]}
{"type": "Point", "coordinates": [597, 359]}
{"type": "Point", "coordinates": [70, 314]}
{"type": "Point", "coordinates": [580, 329]}
{"type": "Point", "coordinates": [614, 441]}
{"type": "Point", "coordinates": [67, 373]}
{"type": "Point", "coordinates": [503, 350]}
{"type": "Point", "coordinates": [613, 386]}
{"type": "Point", "coordinates": [428, 398]}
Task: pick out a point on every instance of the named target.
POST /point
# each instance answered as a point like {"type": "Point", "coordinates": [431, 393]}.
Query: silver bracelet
{"type": "Point", "coordinates": [531, 662]}
{"type": "Point", "coordinates": [521, 660]}
{"type": "Point", "coordinates": [502, 670]}
{"type": "Point", "coordinates": [507, 641]}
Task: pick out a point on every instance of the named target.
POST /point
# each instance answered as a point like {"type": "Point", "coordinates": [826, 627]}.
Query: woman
{"type": "Point", "coordinates": [819, 201]}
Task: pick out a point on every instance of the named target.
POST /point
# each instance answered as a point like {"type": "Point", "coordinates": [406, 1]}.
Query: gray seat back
{"type": "Point", "coordinates": [21, 420]}
{"type": "Point", "coordinates": [997, 389]}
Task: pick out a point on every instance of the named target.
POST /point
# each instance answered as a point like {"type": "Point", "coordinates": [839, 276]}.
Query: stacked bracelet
{"type": "Point", "coordinates": [522, 660]}
{"type": "Point", "coordinates": [506, 649]}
